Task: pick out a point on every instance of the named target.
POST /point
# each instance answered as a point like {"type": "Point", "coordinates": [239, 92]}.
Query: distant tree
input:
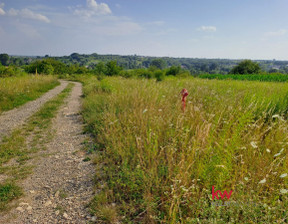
{"type": "Point", "coordinates": [47, 66]}
{"type": "Point", "coordinates": [246, 67]}
{"type": "Point", "coordinates": [75, 56]}
{"type": "Point", "coordinates": [159, 75]}
{"type": "Point", "coordinates": [100, 69]}
{"type": "Point", "coordinates": [213, 67]}
{"type": "Point", "coordinates": [273, 70]}
{"type": "Point", "coordinates": [112, 68]}
{"type": "Point", "coordinates": [159, 63]}
{"type": "Point", "coordinates": [173, 70]}
{"type": "Point", "coordinates": [4, 59]}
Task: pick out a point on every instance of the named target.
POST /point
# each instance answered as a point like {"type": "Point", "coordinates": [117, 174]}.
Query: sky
{"type": "Point", "coordinates": [233, 29]}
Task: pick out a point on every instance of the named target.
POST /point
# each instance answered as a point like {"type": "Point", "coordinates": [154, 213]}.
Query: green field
{"type": "Point", "coordinates": [277, 77]}
{"type": "Point", "coordinates": [15, 91]}
{"type": "Point", "coordinates": [157, 164]}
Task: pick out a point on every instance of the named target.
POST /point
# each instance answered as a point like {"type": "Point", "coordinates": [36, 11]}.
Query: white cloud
{"type": "Point", "coordinates": [28, 14]}
{"type": "Point", "coordinates": [2, 12]}
{"type": "Point", "coordinates": [13, 12]}
{"type": "Point", "coordinates": [278, 33]}
{"type": "Point", "coordinates": [157, 23]}
{"type": "Point", "coordinates": [208, 28]}
{"type": "Point", "coordinates": [93, 8]}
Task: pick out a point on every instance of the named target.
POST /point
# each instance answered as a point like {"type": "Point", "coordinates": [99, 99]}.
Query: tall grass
{"type": "Point", "coordinates": [159, 164]}
{"type": "Point", "coordinates": [15, 91]}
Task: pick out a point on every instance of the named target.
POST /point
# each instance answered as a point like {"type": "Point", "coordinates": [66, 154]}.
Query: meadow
{"type": "Point", "coordinates": [15, 91]}
{"type": "Point", "coordinates": [274, 77]}
{"type": "Point", "coordinates": [157, 164]}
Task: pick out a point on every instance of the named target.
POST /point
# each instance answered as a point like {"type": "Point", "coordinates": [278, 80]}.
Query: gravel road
{"type": "Point", "coordinates": [61, 185]}
{"type": "Point", "coordinates": [16, 117]}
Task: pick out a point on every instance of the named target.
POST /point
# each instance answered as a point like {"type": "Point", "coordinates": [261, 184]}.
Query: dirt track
{"type": "Point", "coordinates": [61, 185]}
{"type": "Point", "coordinates": [14, 118]}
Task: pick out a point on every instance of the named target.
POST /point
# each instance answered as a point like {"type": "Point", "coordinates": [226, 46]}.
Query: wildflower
{"type": "Point", "coordinates": [263, 181]}
{"type": "Point", "coordinates": [254, 145]}
{"type": "Point", "coordinates": [268, 150]}
{"type": "Point", "coordinates": [246, 178]}
{"type": "Point", "coordinates": [283, 175]}
{"type": "Point", "coordinates": [221, 166]}
{"type": "Point", "coordinates": [278, 154]}
{"type": "Point", "coordinates": [283, 191]}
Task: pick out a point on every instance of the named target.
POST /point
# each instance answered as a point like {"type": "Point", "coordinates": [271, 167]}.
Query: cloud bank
{"type": "Point", "coordinates": [93, 9]}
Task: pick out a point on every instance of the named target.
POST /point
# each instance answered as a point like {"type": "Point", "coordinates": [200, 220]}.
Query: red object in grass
{"type": "Point", "coordinates": [184, 94]}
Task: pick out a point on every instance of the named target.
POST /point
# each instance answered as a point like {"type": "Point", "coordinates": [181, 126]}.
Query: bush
{"type": "Point", "coordinates": [173, 70]}
{"type": "Point", "coordinates": [246, 67]}
{"type": "Point", "coordinates": [159, 75]}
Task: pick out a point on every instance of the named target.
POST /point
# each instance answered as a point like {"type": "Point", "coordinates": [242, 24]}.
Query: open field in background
{"type": "Point", "coordinates": [276, 77]}
{"type": "Point", "coordinates": [159, 164]}
{"type": "Point", "coordinates": [15, 91]}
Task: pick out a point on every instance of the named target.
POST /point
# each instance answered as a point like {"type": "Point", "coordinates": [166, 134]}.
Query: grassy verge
{"type": "Point", "coordinates": [158, 164]}
{"type": "Point", "coordinates": [16, 91]}
{"type": "Point", "coordinates": [17, 149]}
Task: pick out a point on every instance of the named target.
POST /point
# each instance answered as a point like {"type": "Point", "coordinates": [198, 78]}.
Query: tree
{"type": "Point", "coordinates": [4, 58]}
{"type": "Point", "coordinates": [112, 68]}
{"type": "Point", "coordinates": [158, 63]}
{"type": "Point", "coordinates": [100, 69]}
{"type": "Point", "coordinates": [173, 70]}
{"type": "Point", "coordinates": [246, 67]}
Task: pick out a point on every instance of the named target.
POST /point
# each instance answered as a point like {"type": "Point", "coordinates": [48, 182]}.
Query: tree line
{"type": "Point", "coordinates": [127, 66]}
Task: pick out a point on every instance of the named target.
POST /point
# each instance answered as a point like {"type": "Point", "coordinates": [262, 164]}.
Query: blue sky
{"type": "Point", "coordinates": [236, 29]}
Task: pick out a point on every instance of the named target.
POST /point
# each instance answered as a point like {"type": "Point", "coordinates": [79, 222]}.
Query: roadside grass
{"type": "Point", "coordinates": [23, 143]}
{"type": "Point", "coordinates": [16, 91]}
{"type": "Point", "coordinates": [8, 192]}
{"type": "Point", "coordinates": [157, 164]}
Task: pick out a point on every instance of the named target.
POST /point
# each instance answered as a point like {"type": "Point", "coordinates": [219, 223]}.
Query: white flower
{"type": "Point", "coordinates": [278, 154]}
{"type": "Point", "coordinates": [220, 166]}
{"type": "Point", "coordinates": [283, 191]}
{"type": "Point", "coordinates": [246, 178]}
{"type": "Point", "coordinates": [254, 145]}
{"type": "Point", "coordinates": [263, 181]}
{"type": "Point", "coordinates": [144, 111]}
{"type": "Point", "coordinates": [268, 150]}
{"type": "Point", "coordinates": [283, 175]}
